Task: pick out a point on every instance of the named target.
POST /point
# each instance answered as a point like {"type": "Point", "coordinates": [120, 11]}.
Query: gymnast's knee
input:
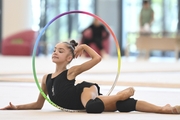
{"type": "Point", "coordinates": [126, 105]}
{"type": "Point", "coordinates": [95, 106]}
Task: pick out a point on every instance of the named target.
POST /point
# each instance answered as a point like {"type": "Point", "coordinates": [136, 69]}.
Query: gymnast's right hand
{"type": "Point", "coordinates": [9, 107]}
{"type": "Point", "coordinates": [78, 50]}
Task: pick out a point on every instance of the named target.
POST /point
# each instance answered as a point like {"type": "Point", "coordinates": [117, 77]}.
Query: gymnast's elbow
{"type": "Point", "coordinates": [98, 58]}
{"type": "Point", "coordinates": [38, 106]}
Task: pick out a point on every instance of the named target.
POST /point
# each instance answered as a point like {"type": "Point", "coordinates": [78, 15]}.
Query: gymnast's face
{"type": "Point", "coordinates": [61, 54]}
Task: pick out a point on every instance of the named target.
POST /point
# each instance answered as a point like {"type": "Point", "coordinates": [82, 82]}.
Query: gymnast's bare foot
{"type": "Point", "coordinates": [129, 90]}
{"type": "Point", "coordinates": [169, 109]}
{"type": "Point", "coordinates": [176, 109]}
{"type": "Point", "coordinates": [126, 93]}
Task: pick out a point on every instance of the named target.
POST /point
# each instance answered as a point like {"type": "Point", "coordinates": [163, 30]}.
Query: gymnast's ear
{"type": "Point", "coordinates": [69, 58]}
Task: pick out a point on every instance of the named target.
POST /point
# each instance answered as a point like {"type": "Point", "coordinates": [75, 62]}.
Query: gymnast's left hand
{"type": "Point", "coordinates": [78, 51]}
{"type": "Point", "coordinates": [9, 107]}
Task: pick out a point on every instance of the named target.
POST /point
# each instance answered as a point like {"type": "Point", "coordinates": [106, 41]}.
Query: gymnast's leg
{"type": "Point", "coordinates": [122, 102]}
{"type": "Point", "coordinates": [138, 105]}
{"type": "Point", "coordinates": [144, 106]}
{"type": "Point", "coordinates": [90, 101]}
{"type": "Point", "coordinates": [97, 104]}
{"type": "Point", "coordinates": [131, 104]}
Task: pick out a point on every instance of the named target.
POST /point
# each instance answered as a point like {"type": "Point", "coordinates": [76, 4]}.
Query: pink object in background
{"type": "Point", "coordinates": [19, 44]}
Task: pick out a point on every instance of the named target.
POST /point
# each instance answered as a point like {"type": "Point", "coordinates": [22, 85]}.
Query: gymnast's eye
{"type": "Point", "coordinates": [60, 51]}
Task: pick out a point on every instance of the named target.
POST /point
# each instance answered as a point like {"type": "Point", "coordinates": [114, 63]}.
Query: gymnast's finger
{"type": "Point", "coordinates": [9, 107]}
{"type": "Point", "coordinates": [76, 55]}
{"type": "Point", "coordinates": [13, 106]}
{"type": "Point", "coordinates": [80, 53]}
{"type": "Point", "coordinates": [2, 109]}
{"type": "Point", "coordinates": [5, 108]}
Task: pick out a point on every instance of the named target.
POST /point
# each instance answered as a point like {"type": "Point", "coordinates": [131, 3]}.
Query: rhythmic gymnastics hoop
{"type": "Point", "coordinates": [37, 42]}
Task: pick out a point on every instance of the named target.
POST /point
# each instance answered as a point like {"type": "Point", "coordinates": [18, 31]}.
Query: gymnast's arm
{"type": "Point", "coordinates": [31, 106]}
{"type": "Point", "coordinates": [95, 58]}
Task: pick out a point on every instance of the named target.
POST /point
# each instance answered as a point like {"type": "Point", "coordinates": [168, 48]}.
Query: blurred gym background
{"type": "Point", "coordinates": [20, 17]}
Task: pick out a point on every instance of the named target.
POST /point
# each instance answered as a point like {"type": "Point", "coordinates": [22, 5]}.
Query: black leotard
{"type": "Point", "coordinates": [65, 93]}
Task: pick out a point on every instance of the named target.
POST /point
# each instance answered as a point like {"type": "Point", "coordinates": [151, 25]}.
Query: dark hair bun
{"type": "Point", "coordinates": [73, 43]}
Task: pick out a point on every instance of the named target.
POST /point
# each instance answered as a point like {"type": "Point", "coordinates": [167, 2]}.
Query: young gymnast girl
{"type": "Point", "coordinates": [61, 89]}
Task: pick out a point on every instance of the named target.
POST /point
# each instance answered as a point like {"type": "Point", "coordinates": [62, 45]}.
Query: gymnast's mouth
{"type": "Point", "coordinates": [55, 57]}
